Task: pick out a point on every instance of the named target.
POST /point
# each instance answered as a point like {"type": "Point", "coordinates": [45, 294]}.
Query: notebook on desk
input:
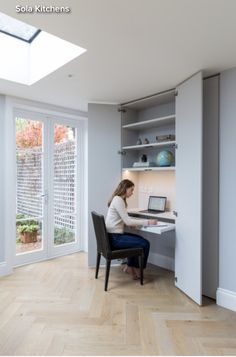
{"type": "Point", "coordinates": [156, 204]}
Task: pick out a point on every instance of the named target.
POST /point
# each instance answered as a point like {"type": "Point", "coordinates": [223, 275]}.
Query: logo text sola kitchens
{"type": "Point", "coordinates": [43, 9]}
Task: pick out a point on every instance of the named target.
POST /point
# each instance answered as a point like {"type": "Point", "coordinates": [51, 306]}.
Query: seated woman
{"type": "Point", "coordinates": [117, 217]}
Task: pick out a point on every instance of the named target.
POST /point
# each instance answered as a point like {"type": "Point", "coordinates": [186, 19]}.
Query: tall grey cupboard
{"type": "Point", "coordinates": [189, 232]}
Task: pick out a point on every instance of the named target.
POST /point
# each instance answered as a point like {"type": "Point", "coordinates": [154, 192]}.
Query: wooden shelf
{"type": "Point", "coordinates": [150, 145]}
{"type": "Point", "coordinates": [154, 168]}
{"type": "Point", "coordinates": [152, 123]}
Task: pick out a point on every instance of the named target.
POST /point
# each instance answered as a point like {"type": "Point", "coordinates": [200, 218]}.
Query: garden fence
{"type": "Point", "coordinates": [29, 183]}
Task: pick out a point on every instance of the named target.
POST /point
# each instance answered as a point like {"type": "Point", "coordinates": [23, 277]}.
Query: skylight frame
{"type": "Point", "coordinates": [18, 29]}
{"type": "Point", "coordinates": [21, 38]}
{"type": "Point", "coordinates": [29, 66]}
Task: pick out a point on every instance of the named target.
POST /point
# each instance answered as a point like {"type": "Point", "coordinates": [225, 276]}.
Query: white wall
{"type": "Point", "coordinates": [2, 151]}
{"type": "Point", "coordinates": [7, 190]}
{"type": "Point", "coordinates": [152, 183]}
{"type": "Point", "coordinates": [226, 294]}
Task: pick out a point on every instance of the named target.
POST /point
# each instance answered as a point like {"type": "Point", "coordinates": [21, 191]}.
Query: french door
{"type": "Point", "coordinates": [48, 186]}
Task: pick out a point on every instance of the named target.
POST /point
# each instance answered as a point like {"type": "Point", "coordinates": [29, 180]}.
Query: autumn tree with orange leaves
{"type": "Point", "coordinates": [29, 133]}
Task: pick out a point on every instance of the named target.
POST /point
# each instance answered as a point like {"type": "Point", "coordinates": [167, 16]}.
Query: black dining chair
{"type": "Point", "coordinates": [104, 248]}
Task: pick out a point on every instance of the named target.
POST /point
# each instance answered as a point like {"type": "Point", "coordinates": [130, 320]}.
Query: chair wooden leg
{"type": "Point", "coordinates": [108, 264]}
{"type": "Point", "coordinates": [141, 269]}
{"type": "Point", "coordinates": [97, 264]}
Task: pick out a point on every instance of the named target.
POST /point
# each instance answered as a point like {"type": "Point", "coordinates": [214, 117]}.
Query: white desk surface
{"type": "Point", "coordinates": [167, 215]}
{"type": "Point", "coordinates": [162, 228]}
{"type": "Point", "coordinates": [158, 229]}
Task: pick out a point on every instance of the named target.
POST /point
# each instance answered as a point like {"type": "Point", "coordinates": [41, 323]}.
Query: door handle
{"type": "Point", "coordinates": [45, 196]}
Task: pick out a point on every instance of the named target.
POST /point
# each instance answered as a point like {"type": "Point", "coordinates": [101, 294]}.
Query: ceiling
{"type": "Point", "coordinates": [134, 47]}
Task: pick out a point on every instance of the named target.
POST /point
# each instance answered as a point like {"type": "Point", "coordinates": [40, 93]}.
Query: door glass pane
{"type": "Point", "coordinates": [64, 184]}
{"type": "Point", "coordinates": [29, 188]}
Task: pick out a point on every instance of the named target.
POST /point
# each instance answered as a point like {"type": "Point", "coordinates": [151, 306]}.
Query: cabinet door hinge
{"type": "Point", "coordinates": [121, 152]}
{"type": "Point", "coordinates": [176, 93]}
{"type": "Point", "coordinates": [175, 213]}
{"type": "Point", "coordinates": [175, 146]}
{"type": "Point", "coordinates": [176, 279]}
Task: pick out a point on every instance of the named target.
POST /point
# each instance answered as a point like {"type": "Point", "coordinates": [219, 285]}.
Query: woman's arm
{"type": "Point", "coordinates": [119, 205]}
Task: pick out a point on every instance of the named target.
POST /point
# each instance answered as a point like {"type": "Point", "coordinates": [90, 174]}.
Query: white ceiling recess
{"type": "Point", "coordinates": [134, 48]}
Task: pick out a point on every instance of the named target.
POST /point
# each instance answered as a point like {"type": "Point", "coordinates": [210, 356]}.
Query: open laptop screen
{"type": "Point", "coordinates": [157, 203]}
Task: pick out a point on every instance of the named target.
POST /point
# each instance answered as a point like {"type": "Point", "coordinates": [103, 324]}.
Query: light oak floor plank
{"type": "Point", "coordinates": [56, 307]}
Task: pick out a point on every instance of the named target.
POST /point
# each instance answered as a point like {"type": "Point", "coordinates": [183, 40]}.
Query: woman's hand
{"type": "Point", "coordinates": [152, 222]}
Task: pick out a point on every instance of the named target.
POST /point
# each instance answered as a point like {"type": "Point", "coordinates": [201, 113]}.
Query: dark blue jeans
{"type": "Point", "coordinates": [129, 240]}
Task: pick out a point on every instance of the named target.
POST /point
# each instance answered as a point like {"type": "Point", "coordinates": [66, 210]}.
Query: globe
{"type": "Point", "coordinates": [165, 158]}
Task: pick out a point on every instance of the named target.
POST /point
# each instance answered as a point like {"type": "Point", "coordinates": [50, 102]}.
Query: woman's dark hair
{"type": "Point", "coordinates": [121, 190]}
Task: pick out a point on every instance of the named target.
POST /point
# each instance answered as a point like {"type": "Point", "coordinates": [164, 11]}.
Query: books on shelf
{"type": "Point", "coordinates": [144, 164]}
{"type": "Point", "coordinates": [169, 137]}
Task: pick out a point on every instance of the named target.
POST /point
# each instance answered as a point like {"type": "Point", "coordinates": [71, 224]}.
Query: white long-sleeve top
{"type": "Point", "coordinates": [117, 217]}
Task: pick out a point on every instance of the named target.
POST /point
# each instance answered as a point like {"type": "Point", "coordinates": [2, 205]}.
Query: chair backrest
{"type": "Point", "coordinates": [103, 243]}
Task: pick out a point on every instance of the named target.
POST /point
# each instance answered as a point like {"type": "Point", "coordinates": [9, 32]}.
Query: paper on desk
{"type": "Point", "coordinates": [156, 225]}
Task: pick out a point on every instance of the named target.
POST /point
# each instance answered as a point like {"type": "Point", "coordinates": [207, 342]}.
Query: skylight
{"type": "Point", "coordinates": [29, 54]}
{"type": "Point", "coordinates": [18, 29]}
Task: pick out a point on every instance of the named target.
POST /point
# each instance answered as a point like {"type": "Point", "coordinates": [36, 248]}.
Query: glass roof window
{"type": "Point", "coordinates": [17, 29]}
{"type": "Point", "coordinates": [39, 53]}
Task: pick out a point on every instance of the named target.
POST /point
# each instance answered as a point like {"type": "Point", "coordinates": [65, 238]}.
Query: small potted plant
{"type": "Point", "coordinates": [28, 232]}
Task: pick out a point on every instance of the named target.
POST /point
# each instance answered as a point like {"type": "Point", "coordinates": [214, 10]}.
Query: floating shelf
{"type": "Point", "coordinates": [152, 123]}
{"type": "Point", "coordinates": [154, 168]}
{"type": "Point", "coordinates": [150, 145]}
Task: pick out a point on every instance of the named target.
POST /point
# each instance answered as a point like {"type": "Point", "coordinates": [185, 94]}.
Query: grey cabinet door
{"type": "Point", "coordinates": [188, 253]}
{"type": "Point", "coordinates": [104, 163]}
{"type": "Point", "coordinates": [210, 209]}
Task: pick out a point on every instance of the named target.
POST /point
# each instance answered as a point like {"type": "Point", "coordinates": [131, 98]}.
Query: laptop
{"type": "Point", "coordinates": [156, 204]}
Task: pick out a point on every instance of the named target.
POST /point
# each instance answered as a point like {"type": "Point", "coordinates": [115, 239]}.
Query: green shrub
{"type": "Point", "coordinates": [25, 224]}
{"type": "Point", "coordinates": [28, 228]}
{"type": "Point", "coordinates": [63, 235]}
{"type": "Point", "coordinates": [23, 219]}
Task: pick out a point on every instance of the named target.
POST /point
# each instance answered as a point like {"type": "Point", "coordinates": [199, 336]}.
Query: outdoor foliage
{"type": "Point", "coordinates": [63, 235]}
{"type": "Point", "coordinates": [28, 228]}
{"type": "Point", "coordinates": [26, 225]}
{"type": "Point", "coordinates": [29, 133]}
{"type": "Point", "coordinates": [23, 219]}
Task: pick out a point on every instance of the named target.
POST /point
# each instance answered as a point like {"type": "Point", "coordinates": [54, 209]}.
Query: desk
{"type": "Point", "coordinates": [167, 218]}
{"type": "Point", "coordinates": [158, 229]}
{"type": "Point", "coordinates": [162, 244]}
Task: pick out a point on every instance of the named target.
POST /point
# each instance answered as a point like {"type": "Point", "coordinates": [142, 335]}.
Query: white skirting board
{"type": "Point", "coordinates": [226, 298]}
{"type": "Point", "coordinates": [162, 261]}
{"type": "Point", "coordinates": [5, 269]}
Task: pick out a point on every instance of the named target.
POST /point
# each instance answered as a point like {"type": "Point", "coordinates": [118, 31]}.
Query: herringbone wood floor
{"type": "Point", "coordinates": [58, 308]}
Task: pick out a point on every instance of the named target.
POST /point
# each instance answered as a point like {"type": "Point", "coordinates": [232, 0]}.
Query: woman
{"type": "Point", "coordinates": [117, 217]}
